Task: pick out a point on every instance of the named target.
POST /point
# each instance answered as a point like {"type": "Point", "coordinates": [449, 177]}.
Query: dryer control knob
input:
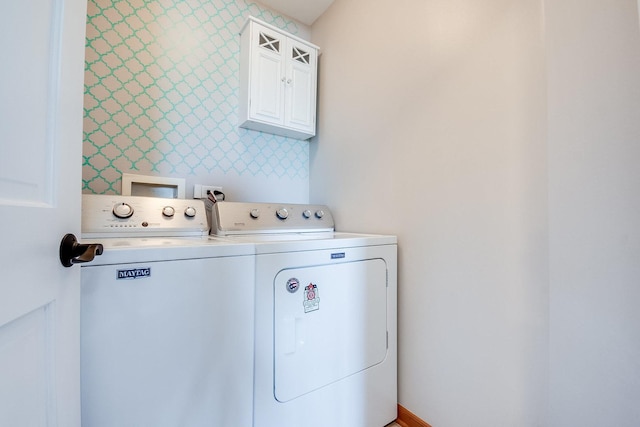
{"type": "Point", "coordinates": [190, 212]}
{"type": "Point", "coordinates": [254, 213]}
{"type": "Point", "coordinates": [122, 210]}
{"type": "Point", "coordinates": [282, 213]}
{"type": "Point", "coordinates": [168, 211]}
{"type": "Point", "coordinates": [319, 214]}
{"type": "Point", "coordinates": [306, 214]}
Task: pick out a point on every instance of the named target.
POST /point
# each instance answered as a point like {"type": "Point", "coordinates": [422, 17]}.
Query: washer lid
{"type": "Point", "coordinates": [125, 250]}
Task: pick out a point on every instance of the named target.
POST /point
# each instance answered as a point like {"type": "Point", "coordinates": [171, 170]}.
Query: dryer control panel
{"type": "Point", "coordinates": [233, 218]}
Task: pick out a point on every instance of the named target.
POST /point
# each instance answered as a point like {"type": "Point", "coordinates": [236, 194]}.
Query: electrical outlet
{"type": "Point", "coordinates": [201, 191]}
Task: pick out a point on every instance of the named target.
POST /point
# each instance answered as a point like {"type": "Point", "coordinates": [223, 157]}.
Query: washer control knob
{"type": "Point", "coordinates": [306, 214]}
{"type": "Point", "coordinates": [282, 213]}
{"type": "Point", "coordinates": [254, 213]}
{"type": "Point", "coordinates": [190, 212]}
{"type": "Point", "coordinates": [168, 211]}
{"type": "Point", "coordinates": [122, 210]}
{"type": "Point", "coordinates": [319, 214]}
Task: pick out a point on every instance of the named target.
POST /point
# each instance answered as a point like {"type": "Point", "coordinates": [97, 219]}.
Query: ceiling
{"type": "Point", "coordinates": [304, 11]}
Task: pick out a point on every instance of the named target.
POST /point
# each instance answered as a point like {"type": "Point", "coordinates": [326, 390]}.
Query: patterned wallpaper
{"type": "Point", "coordinates": [161, 95]}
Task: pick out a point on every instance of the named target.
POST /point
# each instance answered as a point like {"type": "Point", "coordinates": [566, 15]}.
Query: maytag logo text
{"type": "Point", "coordinates": [134, 273]}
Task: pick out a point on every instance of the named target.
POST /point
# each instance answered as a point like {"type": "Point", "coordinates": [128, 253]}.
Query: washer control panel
{"type": "Point", "coordinates": [132, 216]}
{"type": "Point", "coordinates": [229, 218]}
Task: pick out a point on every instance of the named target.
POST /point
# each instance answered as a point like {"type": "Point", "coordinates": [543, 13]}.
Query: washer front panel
{"type": "Point", "coordinates": [168, 343]}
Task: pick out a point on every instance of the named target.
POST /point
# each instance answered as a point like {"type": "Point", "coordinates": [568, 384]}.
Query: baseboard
{"type": "Point", "coordinates": [407, 418]}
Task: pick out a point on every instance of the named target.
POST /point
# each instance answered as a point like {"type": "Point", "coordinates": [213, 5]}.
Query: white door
{"type": "Point", "coordinates": [41, 85]}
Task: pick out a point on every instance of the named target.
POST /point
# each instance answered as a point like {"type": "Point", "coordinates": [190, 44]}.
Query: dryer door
{"type": "Point", "coordinates": [330, 322]}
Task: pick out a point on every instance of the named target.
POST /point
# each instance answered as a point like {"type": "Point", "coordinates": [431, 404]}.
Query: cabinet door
{"type": "Point", "coordinates": [267, 76]}
{"type": "Point", "coordinates": [300, 88]}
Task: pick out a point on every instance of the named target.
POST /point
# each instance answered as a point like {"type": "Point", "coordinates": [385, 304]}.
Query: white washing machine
{"type": "Point", "coordinates": [167, 317]}
{"type": "Point", "coordinates": [325, 325]}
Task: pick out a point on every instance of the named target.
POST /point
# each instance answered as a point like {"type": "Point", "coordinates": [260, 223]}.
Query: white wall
{"type": "Point", "coordinates": [518, 212]}
{"type": "Point", "coordinates": [432, 127]}
{"type": "Point", "coordinates": [594, 177]}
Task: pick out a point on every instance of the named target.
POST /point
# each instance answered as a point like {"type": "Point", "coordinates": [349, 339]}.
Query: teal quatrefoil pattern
{"type": "Point", "coordinates": [161, 94]}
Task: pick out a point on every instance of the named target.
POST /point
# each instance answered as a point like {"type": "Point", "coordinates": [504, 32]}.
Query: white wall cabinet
{"type": "Point", "coordinates": [278, 74]}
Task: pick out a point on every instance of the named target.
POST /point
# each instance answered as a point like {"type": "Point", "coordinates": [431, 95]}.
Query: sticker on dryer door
{"type": "Point", "coordinates": [292, 285]}
{"type": "Point", "coordinates": [311, 298]}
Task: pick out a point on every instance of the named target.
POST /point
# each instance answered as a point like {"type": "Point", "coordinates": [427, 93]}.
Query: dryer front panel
{"type": "Point", "coordinates": [330, 322]}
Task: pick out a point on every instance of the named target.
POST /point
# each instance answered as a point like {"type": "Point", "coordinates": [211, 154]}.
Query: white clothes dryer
{"type": "Point", "coordinates": [167, 317]}
{"type": "Point", "coordinates": [325, 319]}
